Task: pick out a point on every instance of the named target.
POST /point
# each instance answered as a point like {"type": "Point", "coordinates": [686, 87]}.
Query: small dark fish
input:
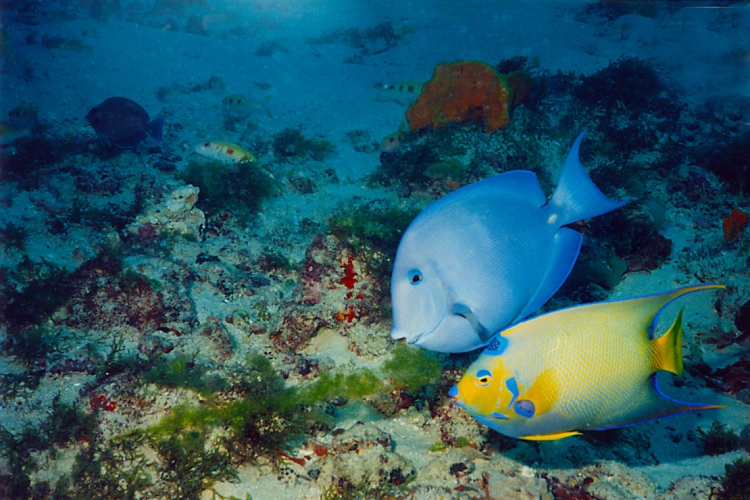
{"type": "Point", "coordinates": [123, 123]}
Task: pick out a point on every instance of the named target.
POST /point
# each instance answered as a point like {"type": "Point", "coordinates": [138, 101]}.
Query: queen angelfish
{"type": "Point", "coordinates": [589, 367]}
{"type": "Point", "coordinates": [487, 255]}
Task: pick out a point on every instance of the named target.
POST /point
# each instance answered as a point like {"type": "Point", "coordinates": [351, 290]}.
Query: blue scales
{"type": "Point", "coordinates": [489, 254]}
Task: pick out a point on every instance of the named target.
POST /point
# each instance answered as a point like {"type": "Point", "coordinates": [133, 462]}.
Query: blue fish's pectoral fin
{"type": "Point", "coordinates": [657, 405]}
{"type": "Point", "coordinates": [551, 437]}
{"type": "Point", "coordinates": [466, 312]}
{"type": "Point", "coordinates": [566, 245]}
{"type": "Point", "coordinates": [576, 196]}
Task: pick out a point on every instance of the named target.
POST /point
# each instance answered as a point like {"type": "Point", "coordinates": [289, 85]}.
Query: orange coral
{"type": "Point", "coordinates": [734, 223]}
{"type": "Point", "coordinates": [462, 91]}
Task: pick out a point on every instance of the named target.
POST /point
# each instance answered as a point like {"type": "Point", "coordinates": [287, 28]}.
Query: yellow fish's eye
{"type": "Point", "coordinates": [483, 378]}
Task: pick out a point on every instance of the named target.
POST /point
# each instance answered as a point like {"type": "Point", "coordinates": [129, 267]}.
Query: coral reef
{"type": "Point", "coordinates": [175, 214]}
{"type": "Point", "coordinates": [463, 91]}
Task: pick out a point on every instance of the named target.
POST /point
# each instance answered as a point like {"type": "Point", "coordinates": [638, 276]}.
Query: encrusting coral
{"type": "Point", "coordinates": [465, 91]}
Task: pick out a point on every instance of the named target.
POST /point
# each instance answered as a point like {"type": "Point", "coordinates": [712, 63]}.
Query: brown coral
{"type": "Point", "coordinates": [463, 91]}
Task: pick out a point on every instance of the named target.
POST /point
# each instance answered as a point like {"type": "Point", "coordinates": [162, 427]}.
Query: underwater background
{"type": "Point", "coordinates": [209, 315]}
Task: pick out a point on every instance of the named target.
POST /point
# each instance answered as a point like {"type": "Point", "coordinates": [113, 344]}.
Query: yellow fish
{"type": "Point", "coordinates": [238, 106]}
{"type": "Point", "coordinates": [403, 93]}
{"type": "Point", "coordinates": [589, 367]}
{"type": "Point", "coordinates": [226, 152]}
{"type": "Point", "coordinates": [393, 141]}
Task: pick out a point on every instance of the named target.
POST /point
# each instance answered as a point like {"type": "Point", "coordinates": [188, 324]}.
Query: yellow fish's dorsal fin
{"type": "Point", "coordinates": [657, 303]}
{"type": "Point", "coordinates": [667, 349]}
{"type": "Point", "coordinates": [551, 437]}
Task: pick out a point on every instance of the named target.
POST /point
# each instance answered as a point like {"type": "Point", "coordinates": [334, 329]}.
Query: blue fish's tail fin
{"type": "Point", "coordinates": [576, 196]}
{"type": "Point", "coordinates": [155, 128]}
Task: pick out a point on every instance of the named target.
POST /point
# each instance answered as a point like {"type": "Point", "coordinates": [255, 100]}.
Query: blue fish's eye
{"type": "Point", "coordinates": [483, 378]}
{"type": "Point", "coordinates": [415, 277]}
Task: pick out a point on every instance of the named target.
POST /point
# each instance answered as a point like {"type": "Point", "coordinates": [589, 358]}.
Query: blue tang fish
{"type": "Point", "coordinates": [488, 255]}
{"type": "Point", "coordinates": [589, 367]}
{"type": "Point", "coordinates": [123, 123]}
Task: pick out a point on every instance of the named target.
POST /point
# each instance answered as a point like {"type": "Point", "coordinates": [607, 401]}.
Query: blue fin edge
{"type": "Point", "coordinates": [689, 407]}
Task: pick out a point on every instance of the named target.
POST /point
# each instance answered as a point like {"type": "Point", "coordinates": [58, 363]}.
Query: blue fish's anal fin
{"type": "Point", "coordinates": [564, 253]}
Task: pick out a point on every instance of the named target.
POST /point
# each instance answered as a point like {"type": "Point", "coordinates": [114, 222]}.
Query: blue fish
{"type": "Point", "coordinates": [488, 255]}
{"type": "Point", "coordinates": [123, 123]}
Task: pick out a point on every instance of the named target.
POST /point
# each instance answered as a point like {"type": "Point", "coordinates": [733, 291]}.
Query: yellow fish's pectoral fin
{"type": "Point", "coordinates": [551, 437]}
{"type": "Point", "coordinates": [543, 393]}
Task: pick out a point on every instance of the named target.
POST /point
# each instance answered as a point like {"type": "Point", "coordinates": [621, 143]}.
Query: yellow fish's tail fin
{"type": "Point", "coordinates": [667, 349]}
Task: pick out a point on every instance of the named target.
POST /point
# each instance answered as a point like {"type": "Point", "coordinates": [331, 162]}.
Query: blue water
{"type": "Point", "coordinates": [137, 281]}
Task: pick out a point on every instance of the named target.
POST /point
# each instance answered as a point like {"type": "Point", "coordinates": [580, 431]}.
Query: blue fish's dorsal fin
{"type": "Point", "coordinates": [155, 128]}
{"type": "Point", "coordinates": [576, 196]}
{"type": "Point", "coordinates": [565, 251]}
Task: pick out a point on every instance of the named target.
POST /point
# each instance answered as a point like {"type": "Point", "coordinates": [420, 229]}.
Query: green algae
{"type": "Point", "coordinates": [269, 414]}
{"type": "Point", "coordinates": [290, 143]}
{"type": "Point", "coordinates": [735, 485]}
{"type": "Point", "coordinates": [412, 368]}
{"type": "Point", "coordinates": [235, 187]}
{"type": "Point", "coordinates": [182, 371]}
{"type": "Point", "coordinates": [373, 229]}
{"type": "Point", "coordinates": [718, 439]}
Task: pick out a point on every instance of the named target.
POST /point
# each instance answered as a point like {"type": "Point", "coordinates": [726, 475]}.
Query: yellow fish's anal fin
{"type": "Point", "coordinates": [543, 392]}
{"type": "Point", "coordinates": [551, 437]}
{"type": "Point", "coordinates": [658, 302]}
{"type": "Point", "coordinates": [667, 349]}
